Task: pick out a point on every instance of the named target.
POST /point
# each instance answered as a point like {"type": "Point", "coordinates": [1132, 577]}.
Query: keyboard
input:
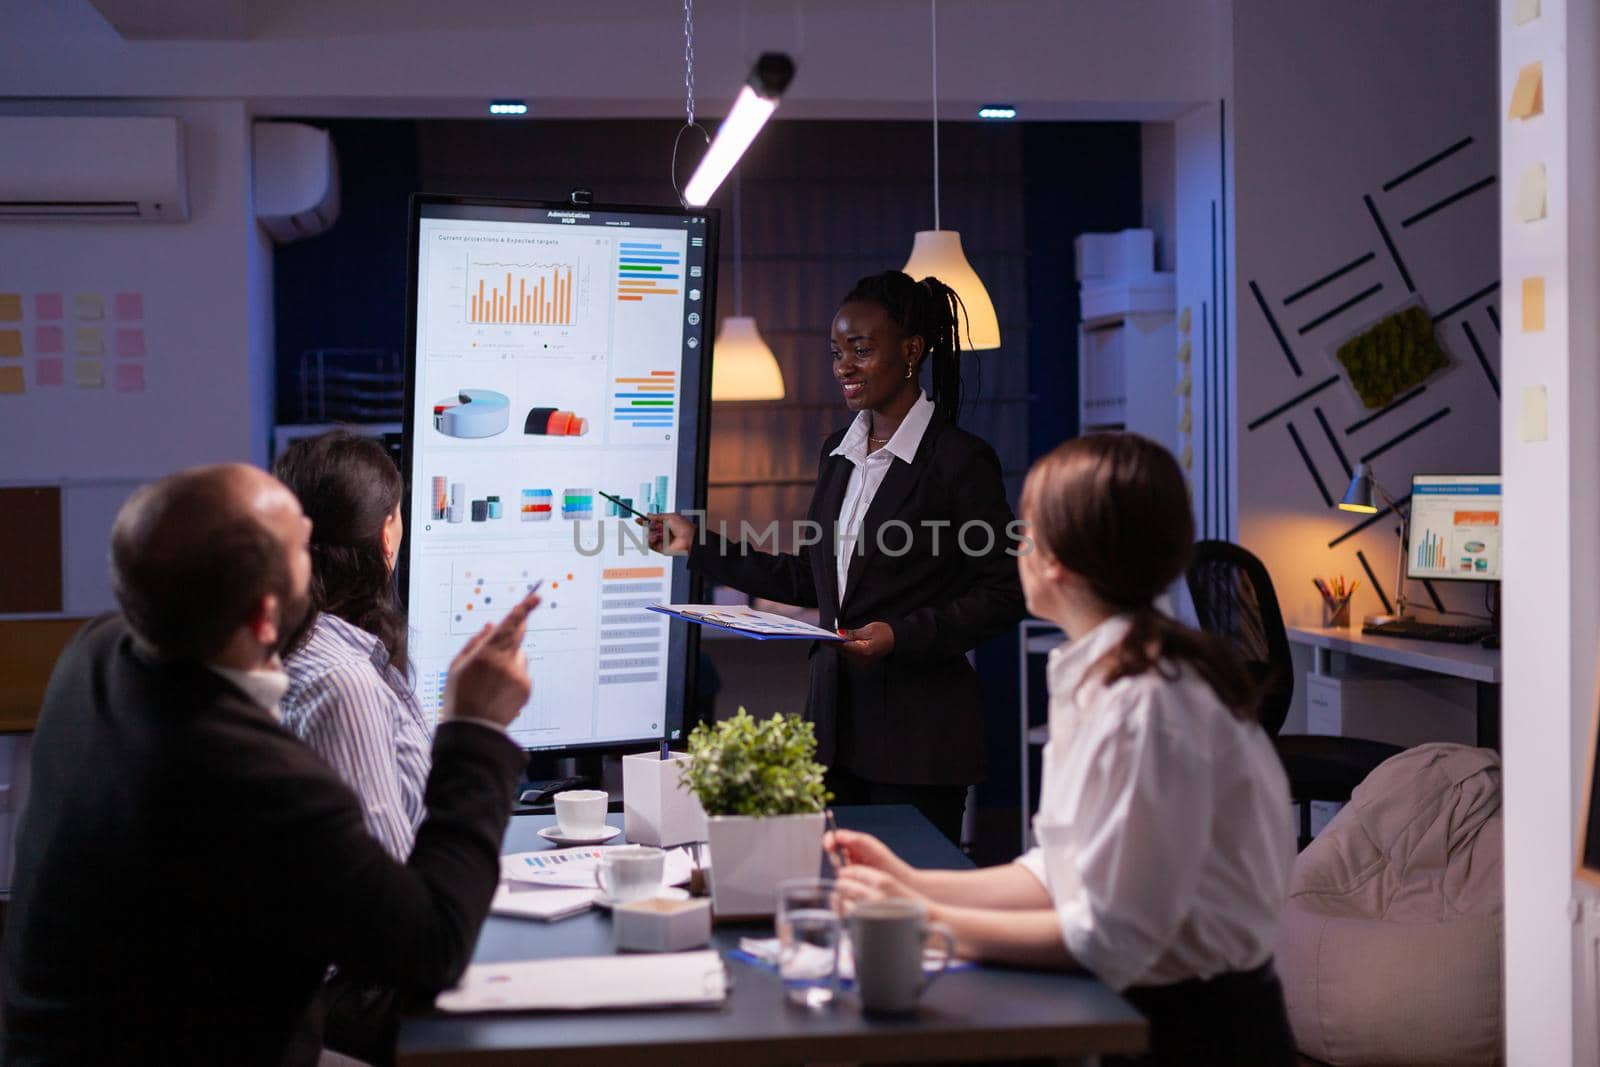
{"type": "Point", "coordinates": [1430, 631]}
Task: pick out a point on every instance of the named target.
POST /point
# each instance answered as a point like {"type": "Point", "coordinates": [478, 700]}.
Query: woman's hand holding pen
{"type": "Point", "coordinates": [872, 641]}
{"type": "Point", "coordinates": [669, 533]}
{"type": "Point", "coordinates": [871, 870]}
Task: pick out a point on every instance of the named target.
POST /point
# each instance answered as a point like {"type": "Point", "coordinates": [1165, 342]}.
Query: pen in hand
{"type": "Point", "coordinates": [835, 854]}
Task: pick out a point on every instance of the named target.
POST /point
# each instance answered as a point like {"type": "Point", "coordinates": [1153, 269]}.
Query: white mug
{"type": "Point", "coordinates": [630, 872]}
{"type": "Point", "coordinates": [889, 938]}
{"type": "Point", "coordinates": [581, 812]}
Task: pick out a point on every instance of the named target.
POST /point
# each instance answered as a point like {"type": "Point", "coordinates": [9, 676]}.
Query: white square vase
{"type": "Point", "coordinates": [657, 809]}
{"type": "Point", "coordinates": [750, 856]}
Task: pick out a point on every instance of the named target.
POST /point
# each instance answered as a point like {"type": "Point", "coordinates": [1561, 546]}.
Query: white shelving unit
{"type": "Point", "coordinates": [1128, 372]}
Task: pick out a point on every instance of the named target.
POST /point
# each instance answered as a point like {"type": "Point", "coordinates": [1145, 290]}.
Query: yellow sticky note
{"type": "Point", "coordinates": [1184, 320]}
{"type": "Point", "coordinates": [88, 306]}
{"type": "Point", "coordinates": [1524, 12]}
{"type": "Point", "coordinates": [1185, 386]}
{"type": "Point", "coordinates": [10, 342]}
{"type": "Point", "coordinates": [86, 341]}
{"type": "Point", "coordinates": [89, 373]}
{"type": "Point", "coordinates": [1527, 99]}
{"type": "Point", "coordinates": [1186, 422]}
{"type": "Point", "coordinates": [1531, 189]}
{"type": "Point", "coordinates": [11, 380]}
{"type": "Point", "coordinates": [10, 307]}
{"type": "Point", "coordinates": [1184, 351]}
{"type": "Point", "coordinates": [1533, 421]}
{"type": "Point", "coordinates": [1532, 304]}
{"type": "Point", "coordinates": [1188, 457]}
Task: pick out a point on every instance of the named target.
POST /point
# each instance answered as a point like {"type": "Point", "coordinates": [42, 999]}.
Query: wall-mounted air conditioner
{"type": "Point", "coordinates": [86, 169]}
{"type": "Point", "coordinates": [296, 182]}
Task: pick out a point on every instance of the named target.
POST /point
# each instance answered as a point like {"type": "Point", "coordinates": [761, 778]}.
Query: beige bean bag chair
{"type": "Point", "coordinates": [1390, 945]}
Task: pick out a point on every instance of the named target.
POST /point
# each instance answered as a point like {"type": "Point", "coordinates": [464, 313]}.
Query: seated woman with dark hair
{"type": "Point", "coordinates": [348, 696]}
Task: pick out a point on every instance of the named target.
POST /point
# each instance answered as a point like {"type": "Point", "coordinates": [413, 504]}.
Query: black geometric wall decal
{"type": "Point", "coordinates": [1326, 278]}
{"type": "Point", "coordinates": [1359, 423]}
{"type": "Point", "coordinates": [1310, 467]}
{"type": "Point", "coordinates": [1398, 438]}
{"type": "Point", "coordinates": [1377, 586]}
{"type": "Point", "coordinates": [1468, 302]}
{"type": "Point", "coordinates": [1346, 306]}
{"type": "Point", "coordinates": [1366, 522]}
{"type": "Point", "coordinates": [1494, 317]}
{"type": "Point", "coordinates": [1291, 402]}
{"type": "Point", "coordinates": [1483, 360]}
{"type": "Point", "coordinates": [1282, 343]}
{"type": "Point", "coordinates": [1482, 183]}
{"type": "Point", "coordinates": [1426, 163]}
{"type": "Point", "coordinates": [1334, 441]}
{"type": "Point", "coordinates": [1438, 605]}
{"type": "Point", "coordinates": [1394, 253]}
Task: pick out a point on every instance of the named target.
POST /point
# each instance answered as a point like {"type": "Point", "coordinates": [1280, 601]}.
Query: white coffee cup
{"type": "Point", "coordinates": [630, 872]}
{"type": "Point", "coordinates": [889, 938]}
{"type": "Point", "coordinates": [581, 812]}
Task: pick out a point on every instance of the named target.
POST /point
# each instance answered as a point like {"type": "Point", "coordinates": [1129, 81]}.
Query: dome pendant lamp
{"type": "Point", "coordinates": [938, 252]}
{"type": "Point", "coordinates": [742, 366]}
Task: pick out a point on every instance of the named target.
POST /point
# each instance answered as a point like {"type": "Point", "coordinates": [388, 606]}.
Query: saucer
{"type": "Point", "coordinates": [671, 892]}
{"type": "Point", "coordinates": [553, 834]}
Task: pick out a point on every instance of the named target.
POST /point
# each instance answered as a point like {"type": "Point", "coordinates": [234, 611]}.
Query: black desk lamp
{"type": "Point", "coordinates": [1359, 498]}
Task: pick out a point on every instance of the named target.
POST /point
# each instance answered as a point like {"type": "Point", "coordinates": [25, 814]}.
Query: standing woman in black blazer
{"type": "Point", "coordinates": [911, 560]}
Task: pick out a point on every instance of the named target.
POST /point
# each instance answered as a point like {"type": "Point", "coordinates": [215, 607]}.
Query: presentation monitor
{"type": "Point", "coordinates": [558, 380]}
{"type": "Point", "coordinates": [1455, 527]}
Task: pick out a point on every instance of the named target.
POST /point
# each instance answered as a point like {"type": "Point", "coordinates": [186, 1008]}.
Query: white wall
{"type": "Point", "coordinates": [1125, 59]}
{"type": "Point", "coordinates": [1330, 104]}
{"type": "Point", "coordinates": [1158, 172]}
{"type": "Point", "coordinates": [207, 317]}
{"type": "Point", "coordinates": [1552, 527]}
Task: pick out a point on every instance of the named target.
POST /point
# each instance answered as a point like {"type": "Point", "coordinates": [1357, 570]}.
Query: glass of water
{"type": "Point", "coordinates": [808, 941]}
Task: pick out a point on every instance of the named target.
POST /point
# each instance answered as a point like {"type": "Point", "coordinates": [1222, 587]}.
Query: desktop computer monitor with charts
{"type": "Point", "coordinates": [1455, 527]}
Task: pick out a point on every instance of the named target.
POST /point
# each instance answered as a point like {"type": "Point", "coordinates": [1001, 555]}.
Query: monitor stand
{"type": "Point", "coordinates": [548, 774]}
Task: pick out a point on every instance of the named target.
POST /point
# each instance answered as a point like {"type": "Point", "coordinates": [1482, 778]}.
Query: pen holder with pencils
{"type": "Point", "coordinates": [1336, 613]}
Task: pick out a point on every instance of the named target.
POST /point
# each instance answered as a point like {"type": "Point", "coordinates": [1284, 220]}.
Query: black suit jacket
{"type": "Point", "coordinates": [187, 870]}
{"type": "Point", "coordinates": [914, 717]}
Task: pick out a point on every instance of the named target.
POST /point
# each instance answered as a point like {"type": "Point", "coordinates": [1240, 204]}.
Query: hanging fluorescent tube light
{"type": "Point", "coordinates": [757, 101]}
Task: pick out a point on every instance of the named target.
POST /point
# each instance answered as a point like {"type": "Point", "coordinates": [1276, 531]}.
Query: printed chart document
{"type": "Point", "coordinates": [664, 980]}
{"type": "Point", "coordinates": [761, 625]}
{"type": "Point", "coordinates": [573, 868]}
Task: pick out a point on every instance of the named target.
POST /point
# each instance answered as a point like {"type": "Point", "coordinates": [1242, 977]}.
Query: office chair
{"type": "Point", "coordinates": [1233, 599]}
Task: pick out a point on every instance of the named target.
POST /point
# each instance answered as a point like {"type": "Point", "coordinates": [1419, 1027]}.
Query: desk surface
{"type": "Point", "coordinates": [1472, 661]}
{"type": "Point", "coordinates": [977, 1014]}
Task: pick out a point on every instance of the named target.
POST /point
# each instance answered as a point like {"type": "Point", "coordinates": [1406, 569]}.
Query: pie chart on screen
{"type": "Point", "coordinates": [472, 413]}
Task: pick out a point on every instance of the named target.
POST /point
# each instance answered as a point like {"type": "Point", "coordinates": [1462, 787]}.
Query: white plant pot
{"type": "Point", "coordinates": [750, 856]}
{"type": "Point", "coordinates": [657, 807]}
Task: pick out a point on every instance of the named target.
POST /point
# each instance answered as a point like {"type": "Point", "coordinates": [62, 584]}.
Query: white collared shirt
{"type": "Point", "coordinates": [868, 474]}
{"type": "Point", "coordinates": [1164, 827]}
{"type": "Point", "coordinates": [264, 685]}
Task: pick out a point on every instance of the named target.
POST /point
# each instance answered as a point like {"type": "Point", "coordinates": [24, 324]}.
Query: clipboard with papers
{"type": "Point", "coordinates": [748, 622]}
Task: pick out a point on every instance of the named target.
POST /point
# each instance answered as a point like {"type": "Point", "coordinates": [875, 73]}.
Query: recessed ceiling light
{"type": "Point", "coordinates": [997, 111]}
{"type": "Point", "coordinates": [507, 107]}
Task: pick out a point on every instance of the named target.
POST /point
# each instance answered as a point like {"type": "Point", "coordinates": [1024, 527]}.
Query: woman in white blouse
{"type": "Point", "coordinates": [1164, 825]}
{"type": "Point", "coordinates": [348, 695]}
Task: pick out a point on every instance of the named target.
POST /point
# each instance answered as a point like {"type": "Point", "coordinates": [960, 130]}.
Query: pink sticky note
{"type": "Point", "coordinates": [129, 306]}
{"type": "Point", "coordinates": [50, 371]}
{"type": "Point", "coordinates": [130, 377]}
{"type": "Point", "coordinates": [48, 306]}
{"type": "Point", "coordinates": [48, 339]}
{"type": "Point", "coordinates": [130, 342]}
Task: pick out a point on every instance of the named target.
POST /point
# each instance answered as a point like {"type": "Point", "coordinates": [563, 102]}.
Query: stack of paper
{"type": "Point", "coordinates": [526, 901]}
{"type": "Point", "coordinates": [661, 980]}
{"type": "Point", "coordinates": [554, 883]}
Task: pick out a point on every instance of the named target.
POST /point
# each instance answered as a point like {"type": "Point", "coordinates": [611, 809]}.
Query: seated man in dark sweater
{"type": "Point", "coordinates": [187, 871]}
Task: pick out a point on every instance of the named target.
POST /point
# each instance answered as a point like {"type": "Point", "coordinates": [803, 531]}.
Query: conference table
{"type": "Point", "coordinates": [971, 1014]}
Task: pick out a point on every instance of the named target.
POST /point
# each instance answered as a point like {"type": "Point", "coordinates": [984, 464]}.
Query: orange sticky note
{"type": "Point", "coordinates": [10, 307]}
{"type": "Point", "coordinates": [11, 380]}
{"type": "Point", "coordinates": [10, 342]}
{"type": "Point", "coordinates": [1527, 98]}
{"type": "Point", "coordinates": [1532, 305]}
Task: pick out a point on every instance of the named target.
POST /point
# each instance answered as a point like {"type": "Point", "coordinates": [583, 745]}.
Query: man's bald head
{"type": "Point", "coordinates": [194, 554]}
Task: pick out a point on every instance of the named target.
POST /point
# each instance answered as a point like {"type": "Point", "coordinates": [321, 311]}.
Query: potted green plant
{"type": "Point", "coordinates": [763, 796]}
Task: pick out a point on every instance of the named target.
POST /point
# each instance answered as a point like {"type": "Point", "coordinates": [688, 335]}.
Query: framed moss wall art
{"type": "Point", "coordinates": [1386, 358]}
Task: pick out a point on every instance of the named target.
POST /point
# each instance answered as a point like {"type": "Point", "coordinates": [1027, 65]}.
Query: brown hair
{"type": "Point", "coordinates": [189, 563]}
{"type": "Point", "coordinates": [348, 487]}
{"type": "Point", "coordinates": [1113, 509]}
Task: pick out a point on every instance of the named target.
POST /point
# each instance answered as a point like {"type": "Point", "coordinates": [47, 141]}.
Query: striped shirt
{"type": "Point", "coordinates": [358, 713]}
